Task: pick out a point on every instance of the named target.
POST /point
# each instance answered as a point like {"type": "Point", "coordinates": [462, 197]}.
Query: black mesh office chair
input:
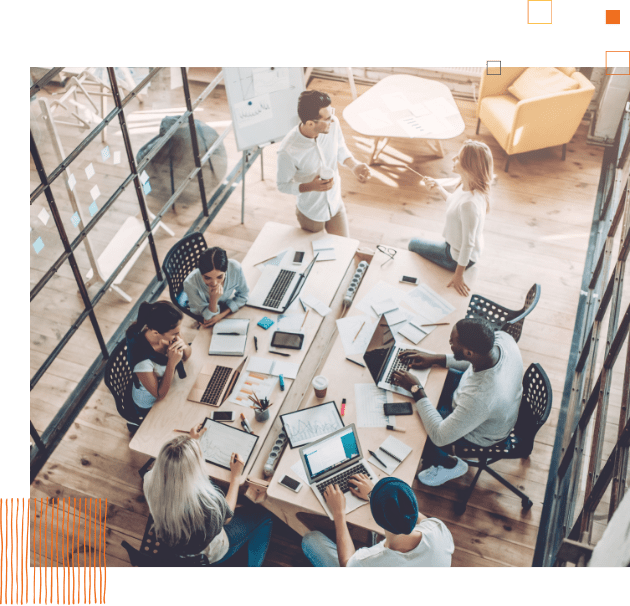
{"type": "Point", "coordinates": [502, 318]}
{"type": "Point", "coordinates": [179, 262]}
{"type": "Point", "coordinates": [532, 415]}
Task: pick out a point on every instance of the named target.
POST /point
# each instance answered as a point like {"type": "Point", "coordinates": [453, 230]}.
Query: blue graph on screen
{"type": "Point", "coordinates": [312, 423]}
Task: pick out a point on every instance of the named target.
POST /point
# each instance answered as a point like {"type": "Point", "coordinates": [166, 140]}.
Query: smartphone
{"type": "Point", "coordinates": [409, 280]}
{"type": "Point", "coordinates": [298, 257]}
{"type": "Point", "coordinates": [291, 484]}
{"type": "Point", "coordinates": [397, 408]}
{"type": "Point", "coordinates": [223, 415]}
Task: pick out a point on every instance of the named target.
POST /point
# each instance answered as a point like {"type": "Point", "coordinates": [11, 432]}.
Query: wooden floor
{"type": "Point", "coordinates": [537, 231]}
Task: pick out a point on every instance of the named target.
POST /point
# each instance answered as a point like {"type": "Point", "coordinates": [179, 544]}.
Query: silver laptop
{"type": "Point", "coordinates": [333, 460]}
{"type": "Point", "coordinates": [381, 358]}
{"type": "Point", "coordinates": [278, 287]}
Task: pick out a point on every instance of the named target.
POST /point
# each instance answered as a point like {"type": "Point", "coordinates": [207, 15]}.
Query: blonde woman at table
{"type": "Point", "coordinates": [466, 212]}
{"type": "Point", "coordinates": [192, 515]}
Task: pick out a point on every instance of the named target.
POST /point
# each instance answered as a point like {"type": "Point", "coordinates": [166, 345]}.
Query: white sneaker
{"type": "Point", "coordinates": [438, 475]}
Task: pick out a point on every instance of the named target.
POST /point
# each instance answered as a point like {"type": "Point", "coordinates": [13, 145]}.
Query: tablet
{"type": "Point", "coordinates": [310, 424]}
{"type": "Point", "coordinates": [220, 441]}
{"type": "Point", "coordinates": [291, 340]}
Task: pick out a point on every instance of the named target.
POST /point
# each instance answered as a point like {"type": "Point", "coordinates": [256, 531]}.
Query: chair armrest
{"type": "Point", "coordinates": [497, 85]}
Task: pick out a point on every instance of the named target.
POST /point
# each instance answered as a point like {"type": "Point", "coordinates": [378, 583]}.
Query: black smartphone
{"type": "Point", "coordinates": [397, 408]}
{"type": "Point", "coordinates": [291, 484]}
{"type": "Point", "coordinates": [290, 340]}
{"type": "Point", "coordinates": [409, 280]}
{"type": "Point", "coordinates": [298, 257]}
{"type": "Point", "coordinates": [223, 415]}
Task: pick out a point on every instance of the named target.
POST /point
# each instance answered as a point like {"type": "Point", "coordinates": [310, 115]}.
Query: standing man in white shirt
{"type": "Point", "coordinates": [308, 161]}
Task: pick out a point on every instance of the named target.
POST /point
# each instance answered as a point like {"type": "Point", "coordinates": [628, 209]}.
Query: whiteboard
{"type": "Point", "coordinates": [263, 102]}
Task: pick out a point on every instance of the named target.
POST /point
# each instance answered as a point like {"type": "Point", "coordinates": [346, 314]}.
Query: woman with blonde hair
{"type": "Point", "coordinates": [192, 515]}
{"type": "Point", "coordinates": [466, 211]}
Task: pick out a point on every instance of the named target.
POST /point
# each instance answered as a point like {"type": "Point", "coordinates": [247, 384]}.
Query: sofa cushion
{"type": "Point", "coordinates": [497, 113]}
{"type": "Point", "coordinates": [540, 81]}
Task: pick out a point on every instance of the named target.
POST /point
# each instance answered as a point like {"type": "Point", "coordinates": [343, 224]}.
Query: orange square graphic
{"type": "Point", "coordinates": [613, 17]}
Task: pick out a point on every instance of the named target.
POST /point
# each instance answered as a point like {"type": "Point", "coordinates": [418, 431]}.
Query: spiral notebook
{"type": "Point", "coordinates": [392, 452]}
{"type": "Point", "coordinates": [229, 337]}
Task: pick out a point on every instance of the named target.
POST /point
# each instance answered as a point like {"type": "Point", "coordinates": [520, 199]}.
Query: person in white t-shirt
{"type": "Point", "coordinates": [308, 165]}
{"type": "Point", "coordinates": [466, 212]}
{"type": "Point", "coordinates": [411, 539]}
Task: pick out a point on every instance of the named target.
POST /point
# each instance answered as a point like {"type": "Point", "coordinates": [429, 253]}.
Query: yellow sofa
{"type": "Point", "coordinates": [532, 123]}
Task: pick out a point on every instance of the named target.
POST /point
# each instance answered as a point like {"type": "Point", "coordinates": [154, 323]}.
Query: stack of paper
{"type": "Point", "coordinates": [326, 249]}
{"type": "Point", "coordinates": [392, 452]}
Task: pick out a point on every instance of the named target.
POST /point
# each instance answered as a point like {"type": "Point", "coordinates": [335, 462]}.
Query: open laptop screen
{"type": "Point", "coordinates": [377, 352]}
{"type": "Point", "coordinates": [330, 453]}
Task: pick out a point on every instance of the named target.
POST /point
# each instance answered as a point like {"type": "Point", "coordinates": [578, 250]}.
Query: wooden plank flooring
{"type": "Point", "coordinates": [537, 231]}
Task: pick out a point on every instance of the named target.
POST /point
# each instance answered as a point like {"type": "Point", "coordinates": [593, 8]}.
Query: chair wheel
{"type": "Point", "coordinates": [527, 504]}
{"type": "Point", "coordinates": [460, 508]}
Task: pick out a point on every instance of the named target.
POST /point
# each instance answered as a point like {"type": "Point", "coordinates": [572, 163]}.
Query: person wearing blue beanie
{"type": "Point", "coordinates": [411, 539]}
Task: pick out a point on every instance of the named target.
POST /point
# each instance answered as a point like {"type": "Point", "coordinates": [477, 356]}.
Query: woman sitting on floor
{"type": "Point", "coordinates": [466, 211]}
{"type": "Point", "coordinates": [191, 514]}
{"type": "Point", "coordinates": [217, 287]}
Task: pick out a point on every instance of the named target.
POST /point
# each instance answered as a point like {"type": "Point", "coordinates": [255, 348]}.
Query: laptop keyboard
{"type": "Point", "coordinates": [279, 288]}
{"type": "Point", "coordinates": [215, 385]}
{"type": "Point", "coordinates": [342, 479]}
{"type": "Point", "coordinates": [397, 365]}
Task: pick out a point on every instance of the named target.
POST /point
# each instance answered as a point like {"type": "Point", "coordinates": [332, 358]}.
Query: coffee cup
{"type": "Point", "coordinates": [320, 385]}
{"type": "Point", "coordinates": [326, 173]}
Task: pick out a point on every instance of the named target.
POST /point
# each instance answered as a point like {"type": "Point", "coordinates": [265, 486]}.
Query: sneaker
{"type": "Point", "coordinates": [438, 475]}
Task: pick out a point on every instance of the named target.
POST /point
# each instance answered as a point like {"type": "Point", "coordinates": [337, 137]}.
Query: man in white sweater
{"type": "Point", "coordinates": [480, 400]}
{"type": "Point", "coordinates": [308, 165]}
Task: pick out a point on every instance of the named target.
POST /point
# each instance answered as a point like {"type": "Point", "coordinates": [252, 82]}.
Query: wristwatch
{"type": "Point", "coordinates": [414, 390]}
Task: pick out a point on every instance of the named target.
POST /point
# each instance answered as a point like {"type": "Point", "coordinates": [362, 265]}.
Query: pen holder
{"type": "Point", "coordinates": [261, 415]}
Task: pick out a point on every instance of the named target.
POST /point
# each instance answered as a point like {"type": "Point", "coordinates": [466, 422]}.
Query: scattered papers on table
{"type": "Point", "coordinates": [375, 118]}
{"type": "Point", "coordinates": [419, 109]}
{"type": "Point", "coordinates": [391, 446]}
{"type": "Point", "coordinates": [252, 383]}
{"type": "Point", "coordinates": [396, 316]}
{"type": "Point", "coordinates": [355, 333]}
{"type": "Point", "coordinates": [321, 308]}
{"type": "Point", "coordinates": [380, 292]}
{"type": "Point", "coordinates": [299, 471]}
{"type": "Point", "coordinates": [326, 249]}
{"type": "Point", "coordinates": [290, 322]}
{"type": "Point", "coordinates": [395, 101]}
{"type": "Point", "coordinates": [428, 304]}
{"type": "Point", "coordinates": [382, 307]}
{"type": "Point", "coordinates": [414, 331]}
{"type": "Point", "coordinates": [265, 366]}
{"type": "Point", "coordinates": [285, 255]}
{"type": "Point", "coordinates": [369, 402]}
{"type": "Point", "coordinates": [441, 107]}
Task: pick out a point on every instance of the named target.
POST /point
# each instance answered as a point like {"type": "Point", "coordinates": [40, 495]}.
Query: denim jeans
{"type": "Point", "coordinates": [319, 549]}
{"type": "Point", "coordinates": [251, 525]}
{"type": "Point", "coordinates": [437, 252]}
{"type": "Point", "coordinates": [433, 455]}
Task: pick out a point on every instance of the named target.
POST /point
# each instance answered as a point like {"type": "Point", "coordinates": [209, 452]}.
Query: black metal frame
{"type": "Point", "coordinates": [45, 444]}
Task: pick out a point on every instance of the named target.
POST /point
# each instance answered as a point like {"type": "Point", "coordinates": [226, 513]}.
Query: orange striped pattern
{"type": "Point", "coordinates": [60, 534]}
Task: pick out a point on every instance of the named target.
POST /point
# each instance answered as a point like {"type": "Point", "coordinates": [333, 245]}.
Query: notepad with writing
{"type": "Point", "coordinates": [326, 249]}
{"type": "Point", "coordinates": [392, 452]}
{"type": "Point", "coordinates": [229, 337]}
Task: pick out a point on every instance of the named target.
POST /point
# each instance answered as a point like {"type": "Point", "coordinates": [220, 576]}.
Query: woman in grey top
{"type": "Point", "coordinates": [217, 287]}
{"type": "Point", "coordinates": [191, 514]}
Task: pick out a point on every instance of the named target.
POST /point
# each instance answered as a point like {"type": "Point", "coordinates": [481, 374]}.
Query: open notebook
{"type": "Point", "coordinates": [229, 337]}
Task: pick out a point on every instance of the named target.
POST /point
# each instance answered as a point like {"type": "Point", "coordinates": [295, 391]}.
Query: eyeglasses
{"type": "Point", "coordinates": [332, 113]}
{"type": "Point", "coordinates": [390, 252]}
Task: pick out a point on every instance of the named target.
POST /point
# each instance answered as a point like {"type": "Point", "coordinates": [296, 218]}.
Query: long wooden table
{"type": "Point", "coordinates": [176, 412]}
{"type": "Point", "coordinates": [342, 376]}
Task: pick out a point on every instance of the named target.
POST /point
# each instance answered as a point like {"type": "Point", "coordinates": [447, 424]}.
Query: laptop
{"type": "Point", "coordinates": [215, 383]}
{"type": "Point", "coordinates": [381, 358]}
{"type": "Point", "coordinates": [278, 287]}
{"type": "Point", "coordinates": [333, 460]}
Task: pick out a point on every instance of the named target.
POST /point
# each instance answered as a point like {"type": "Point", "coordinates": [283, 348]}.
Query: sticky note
{"type": "Point", "coordinates": [72, 181]}
{"type": "Point", "coordinates": [105, 153]}
{"type": "Point", "coordinates": [265, 322]}
{"type": "Point", "coordinates": [539, 12]}
{"type": "Point", "coordinates": [493, 68]}
{"type": "Point", "coordinates": [93, 208]}
{"type": "Point", "coordinates": [95, 192]}
{"type": "Point", "coordinates": [116, 157]}
{"type": "Point", "coordinates": [75, 219]}
{"type": "Point", "coordinates": [613, 17]}
{"type": "Point", "coordinates": [43, 216]}
{"type": "Point", "coordinates": [89, 171]}
{"type": "Point", "coordinates": [38, 245]}
{"type": "Point", "coordinates": [144, 177]}
{"type": "Point", "coordinates": [147, 188]}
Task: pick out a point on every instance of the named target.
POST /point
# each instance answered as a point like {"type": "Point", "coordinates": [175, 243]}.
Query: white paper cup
{"type": "Point", "coordinates": [326, 173]}
{"type": "Point", "coordinates": [320, 385]}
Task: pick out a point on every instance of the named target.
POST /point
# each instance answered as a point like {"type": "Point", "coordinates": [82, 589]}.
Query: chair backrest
{"type": "Point", "coordinates": [482, 308]}
{"type": "Point", "coordinates": [119, 378]}
{"type": "Point", "coordinates": [179, 262]}
{"type": "Point", "coordinates": [535, 407]}
{"type": "Point", "coordinates": [514, 327]}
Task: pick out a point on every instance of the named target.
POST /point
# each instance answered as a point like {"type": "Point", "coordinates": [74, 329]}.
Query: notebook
{"type": "Point", "coordinates": [326, 249]}
{"type": "Point", "coordinates": [229, 337]}
{"type": "Point", "coordinates": [388, 452]}
{"type": "Point", "coordinates": [266, 366]}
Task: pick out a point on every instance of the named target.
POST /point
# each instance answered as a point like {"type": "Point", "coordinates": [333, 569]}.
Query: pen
{"type": "Point", "coordinates": [256, 343]}
{"type": "Point", "coordinates": [182, 430]}
{"type": "Point", "coordinates": [355, 362]}
{"type": "Point", "coordinates": [390, 454]}
{"type": "Point", "coordinates": [302, 304]}
{"type": "Point", "coordinates": [281, 382]}
{"type": "Point", "coordinates": [394, 428]}
{"type": "Point", "coordinates": [245, 424]}
{"type": "Point", "coordinates": [279, 353]}
{"type": "Point", "coordinates": [374, 455]}
{"type": "Point", "coordinates": [303, 321]}
{"type": "Point", "coordinates": [343, 407]}
{"type": "Point", "coordinates": [360, 329]}
{"type": "Point", "coordinates": [438, 324]}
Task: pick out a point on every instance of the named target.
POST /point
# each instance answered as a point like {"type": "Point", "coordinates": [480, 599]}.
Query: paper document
{"type": "Point", "coordinates": [355, 333]}
{"type": "Point", "coordinates": [414, 331]}
{"type": "Point", "coordinates": [380, 292]}
{"type": "Point", "coordinates": [326, 249]}
{"type": "Point", "coordinates": [299, 471]}
{"type": "Point", "coordinates": [396, 316]}
{"type": "Point", "coordinates": [282, 259]}
{"type": "Point", "coordinates": [311, 424]}
{"type": "Point", "coordinates": [441, 107]}
{"type": "Point", "coordinates": [321, 308]}
{"type": "Point", "coordinates": [265, 366]}
{"type": "Point", "coordinates": [383, 307]}
{"type": "Point", "coordinates": [369, 402]}
{"type": "Point", "coordinates": [220, 441]}
{"type": "Point", "coordinates": [250, 383]}
{"type": "Point", "coordinates": [375, 118]}
{"type": "Point", "coordinates": [428, 303]}
{"type": "Point", "coordinates": [290, 322]}
{"type": "Point", "coordinates": [392, 452]}
{"type": "Point", "coordinates": [395, 102]}
{"type": "Point", "coordinates": [419, 109]}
